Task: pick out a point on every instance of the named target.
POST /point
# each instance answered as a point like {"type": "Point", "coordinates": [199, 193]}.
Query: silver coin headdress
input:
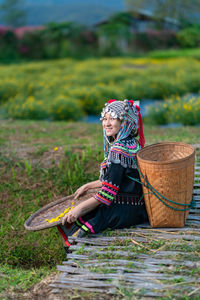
{"type": "Point", "coordinates": [129, 115]}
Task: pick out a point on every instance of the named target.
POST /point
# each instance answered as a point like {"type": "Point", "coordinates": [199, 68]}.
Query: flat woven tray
{"type": "Point", "coordinates": [38, 220]}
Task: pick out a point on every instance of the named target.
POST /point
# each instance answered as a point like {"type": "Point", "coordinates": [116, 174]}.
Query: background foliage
{"type": "Point", "coordinates": [114, 38]}
{"type": "Point", "coordinates": [70, 89]}
{"type": "Point", "coordinates": [185, 110]}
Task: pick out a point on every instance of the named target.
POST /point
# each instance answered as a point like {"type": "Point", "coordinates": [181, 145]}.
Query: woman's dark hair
{"type": "Point", "coordinates": [111, 139]}
{"type": "Point", "coordinates": [134, 132]}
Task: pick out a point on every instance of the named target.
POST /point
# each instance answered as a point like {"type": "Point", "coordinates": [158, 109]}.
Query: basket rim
{"type": "Point", "coordinates": [167, 161]}
{"type": "Point", "coordinates": [47, 206]}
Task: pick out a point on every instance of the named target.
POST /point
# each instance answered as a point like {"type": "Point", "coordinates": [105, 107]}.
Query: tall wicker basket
{"type": "Point", "coordinates": [169, 169]}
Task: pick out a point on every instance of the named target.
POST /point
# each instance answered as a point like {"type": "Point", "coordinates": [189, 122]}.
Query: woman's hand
{"type": "Point", "coordinates": [80, 210]}
{"type": "Point", "coordinates": [72, 215]}
{"type": "Point", "coordinates": [81, 191]}
{"type": "Point", "coordinates": [84, 188]}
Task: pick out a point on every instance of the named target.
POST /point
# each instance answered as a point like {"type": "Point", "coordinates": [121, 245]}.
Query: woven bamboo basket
{"type": "Point", "coordinates": [169, 169]}
{"type": "Point", "coordinates": [38, 220]}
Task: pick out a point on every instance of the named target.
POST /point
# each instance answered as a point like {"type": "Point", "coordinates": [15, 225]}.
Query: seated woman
{"type": "Point", "coordinates": [119, 202]}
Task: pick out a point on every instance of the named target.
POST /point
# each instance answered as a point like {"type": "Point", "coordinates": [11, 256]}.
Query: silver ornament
{"type": "Point", "coordinates": [126, 101]}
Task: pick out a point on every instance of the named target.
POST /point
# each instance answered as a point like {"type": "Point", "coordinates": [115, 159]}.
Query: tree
{"type": "Point", "coordinates": [13, 13]}
{"type": "Point", "coordinates": [115, 34]}
{"type": "Point", "coordinates": [180, 11]}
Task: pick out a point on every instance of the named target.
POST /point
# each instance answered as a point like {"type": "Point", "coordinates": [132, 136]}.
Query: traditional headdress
{"type": "Point", "coordinates": [127, 112]}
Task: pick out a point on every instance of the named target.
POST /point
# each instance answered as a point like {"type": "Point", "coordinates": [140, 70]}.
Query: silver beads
{"type": "Point", "coordinates": [113, 114]}
{"type": "Point", "coordinates": [126, 106]}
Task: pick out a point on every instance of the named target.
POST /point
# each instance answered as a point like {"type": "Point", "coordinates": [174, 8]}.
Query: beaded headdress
{"type": "Point", "coordinates": [129, 115]}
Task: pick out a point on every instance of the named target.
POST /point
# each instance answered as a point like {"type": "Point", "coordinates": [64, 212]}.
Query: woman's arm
{"type": "Point", "coordinates": [84, 188]}
{"type": "Point", "coordinates": [80, 210]}
{"type": "Point", "coordinates": [94, 184]}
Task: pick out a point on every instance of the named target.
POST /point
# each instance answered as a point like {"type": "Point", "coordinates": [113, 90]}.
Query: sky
{"type": "Point", "coordinates": [86, 12]}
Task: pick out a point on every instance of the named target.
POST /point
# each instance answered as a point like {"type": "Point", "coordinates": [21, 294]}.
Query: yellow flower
{"type": "Point", "coordinates": [60, 216]}
{"type": "Point", "coordinates": [30, 99]}
{"type": "Point", "coordinates": [55, 149]}
{"type": "Point", "coordinates": [66, 210]}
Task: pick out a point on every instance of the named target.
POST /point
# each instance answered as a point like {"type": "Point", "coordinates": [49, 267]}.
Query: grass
{"type": "Point", "coordinates": [161, 54]}
{"type": "Point", "coordinates": [41, 162]}
{"type": "Point", "coordinates": [21, 279]}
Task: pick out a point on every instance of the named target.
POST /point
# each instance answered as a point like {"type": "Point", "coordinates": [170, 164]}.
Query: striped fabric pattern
{"type": "Point", "coordinates": [120, 149]}
{"type": "Point", "coordinates": [107, 193]}
{"type": "Point", "coordinates": [103, 164]}
{"type": "Point", "coordinates": [84, 225]}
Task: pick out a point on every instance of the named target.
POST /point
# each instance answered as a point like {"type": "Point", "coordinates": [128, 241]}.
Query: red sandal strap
{"type": "Point", "coordinates": [64, 236]}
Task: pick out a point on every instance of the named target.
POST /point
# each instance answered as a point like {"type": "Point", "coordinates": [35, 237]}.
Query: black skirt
{"type": "Point", "coordinates": [125, 211]}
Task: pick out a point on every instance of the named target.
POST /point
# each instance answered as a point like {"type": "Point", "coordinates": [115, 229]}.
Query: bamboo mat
{"type": "Point", "coordinates": [108, 265]}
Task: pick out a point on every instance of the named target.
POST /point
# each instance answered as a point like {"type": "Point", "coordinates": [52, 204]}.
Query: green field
{"type": "Point", "coordinates": [41, 162]}
{"type": "Point", "coordinates": [68, 89]}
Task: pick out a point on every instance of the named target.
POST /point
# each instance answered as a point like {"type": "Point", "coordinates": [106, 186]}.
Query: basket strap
{"type": "Point", "coordinates": [145, 182]}
{"type": "Point", "coordinates": [64, 236]}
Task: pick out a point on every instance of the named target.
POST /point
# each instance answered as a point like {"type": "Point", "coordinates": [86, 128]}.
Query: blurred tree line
{"type": "Point", "coordinates": [183, 12]}
{"type": "Point", "coordinates": [121, 34]}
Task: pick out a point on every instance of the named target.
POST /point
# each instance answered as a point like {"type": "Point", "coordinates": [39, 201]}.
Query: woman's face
{"type": "Point", "coordinates": [111, 125]}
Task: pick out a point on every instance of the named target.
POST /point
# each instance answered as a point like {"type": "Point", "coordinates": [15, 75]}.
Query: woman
{"type": "Point", "coordinates": [119, 202]}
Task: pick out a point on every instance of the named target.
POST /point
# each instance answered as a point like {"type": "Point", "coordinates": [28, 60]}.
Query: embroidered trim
{"type": "Point", "coordinates": [103, 164]}
{"type": "Point", "coordinates": [119, 154]}
{"type": "Point", "coordinates": [114, 187]}
{"type": "Point", "coordinates": [85, 225]}
{"type": "Point", "coordinates": [129, 199]}
{"type": "Point", "coordinates": [107, 193]}
{"type": "Point", "coordinates": [102, 199]}
{"type": "Point", "coordinates": [82, 226]}
{"type": "Point", "coordinates": [108, 190]}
